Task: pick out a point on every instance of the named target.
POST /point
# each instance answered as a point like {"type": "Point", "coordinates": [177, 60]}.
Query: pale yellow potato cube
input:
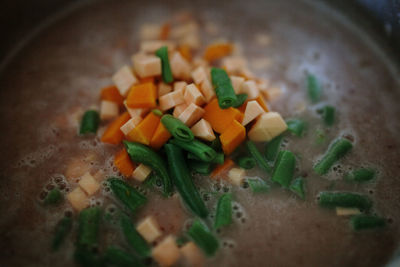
{"type": "Point", "coordinates": [181, 85]}
{"type": "Point", "coordinates": [207, 90]}
{"type": "Point", "coordinates": [234, 64]}
{"type": "Point", "coordinates": [135, 112]}
{"type": "Point", "coordinates": [78, 199]}
{"type": "Point", "coordinates": [149, 229]}
{"type": "Point", "coordinates": [108, 110]}
{"type": "Point", "coordinates": [236, 176]}
{"type": "Point", "coordinates": [124, 79]}
{"type": "Point", "coordinates": [191, 114]}
{"type": "Point", "coordinates": [141, 172]}
{"type": "Point", "coordinates": [150, 47]}
{"type": "Point", "coordinates": [202, 129]}
{"type": "Point", "coordinates": [179, 109]}
{"type": "Point", "coordinates": [199, 75]}
{"type": "Point", "coordinates": [130, 124]}
{"type": "Point", "coordinates": [237, 82]}
{"type": "Point", "coordinates": [89, 184]}
{"type": "Point", "coordinates": [192, 255]}
{"type": "Point", "coordinates": [200, 62]}
{"type": "Point", "coordinates": [192, 40]}
{"type": "Point", "coordinates": [193, 95]}
{"type": "Point", "coordinates": [267, 126]}
{"type": "Point", "coordinates": [146, 65]}
{"type": "Point", "coordinates": [253, 110]}
{"type": "Point", "coordinates": [250, 88]}
{"type": "Point", "coordinates": [171, 100]}
{"type": "Point", "coordinates": [166, 253]}
{"type": "Point", "coordinates": [347, 211]}
{"type": "Point", "coordinates": [180, 67]}
{"type": "Point", "coordinates": [150, 31]}
{"type": "Point", "coordinates": [164, 89]}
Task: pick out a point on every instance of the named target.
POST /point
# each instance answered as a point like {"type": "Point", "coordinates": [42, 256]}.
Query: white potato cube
{"type": "Point", "coordinates": [191, 114]}
{"type": "Point", "coordinates": [236, 176]}
{"type": "Point", "coordinates": [347, 211]}
{"type": "Point", "coordinates": [179, 109]}
{"type": "Point", "coordinates": [234, 64]}
{"type": "Point", "coordinates": [192, 255]}
{"type": "Point", "coordinates": [171, 100]}
{"type": "Point", "coordinates": [199, 75]}
{"type": "Point", "coordinates": [193, 95]}
{"type": "Point", "coordinates": [141, 172]}
{"type": "Point", "coordinates": [135, 112]}
{"type": "Point", "coordinates": [207, 90]}
{"type": "Point", "coordinates": [202, 129]}
{"type": "Point", "coordinates": [180, 67]}
{"type": "Point", "coordinates": [151, 47]}
{"type": "Point", "coordinates": [78, 199]}
{"type": "Point", "coordinates": [124, 79]}
{"type": "Point", "coordinates": [149, 229]}
{"type": "Point", "coordinates": [253, 110]}
{"type": "Point", "coordinates": [166, 253]}
{"type": "Point", "coordinates": [108, 110]}
{"type": "Point", "coordinates": [250, 88]}
{"type": "Point", "coordinates": [192, 40]}
{"type": "Point", "coordinates": [267, 126]}
{"type": "Point", "coordinates": [89, 184]}
{"type": "Point", "coordinates": [181, 85]}
{"type": "Point", "coordinates": [146, 65]}
{"type": "Point", "coordinates": [164, 89]}
{"type": "Point", "coordinates": [237, 82]}
{"type": "Point", "coordinates": [130, 124]}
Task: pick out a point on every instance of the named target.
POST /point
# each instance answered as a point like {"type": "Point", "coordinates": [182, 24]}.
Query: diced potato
{"type": "Point", "coordinates": [199, 62]}
{"type": "Point", "coordinates": [182, 30]}
{"type": "Point", "coordinates": [141, 172]}
{"type": "Point", "coordinates": [78, 199]}
{"type": "Point", "coordinates": [151, 47]}
{"type": "Point", "coordinates": [207, 90]}
{"type": "Point", "coordinates": [135, 112]}
{"type": "Point", "coordinates": [164, 89]}
{"type": "Point", "coordinates": [150, 31]}
{"type": "Point", "coordinates": [250, 88]}
{"type": "Point", "coordinates": [192, 255]}
{"type": "Point", "coordinates": [253, 110]}
{"type": "Point", "coordinates": [237, 82]}
{"type": "Point", "coordinates": [146, 65]}
{"type": "Point", "coordinates": [181, 85]}
{"type": "Point", "coordinates": [108, 110]}
{"type": "Point", "coordinates": [193, 95]}
{"type": "Point", "coordinates": [149, 229]}
{"type": "Point", "coordinates": [248, 74]}
{"type": "Point", "coordinates": [124, 79]}
{"type": "Point", "coordinates": [267, 126]}
{"type": "Point", "coordinates": [171, 100]}
{"type": "Point", "coordinates": [191, 114]}
{"type": "Point", "coordinates": [130, 124]}
{"type": "Point", "coordinates": [347, 211]}
{"type": "Point", "coordinates": [199, 75]}
{"type": "Point", "coordinates": [202, 129]}
{"type": "Point", "coordinates": [76, 168]}
{"type": "Point", "coordinates": [234, 64]}
{"type": "Point", "coordinates": [236, 176]}
{"type": "Point", "coordinates": [180, 67]}
{"type": "Point", "coordinates": [166, 253]}
{"type": "Point", "coordinates": [89, 184]}
{"type": "Point", "coordinates": [179, 109]}
{"type": "Point", "coordinates": [192, 40]}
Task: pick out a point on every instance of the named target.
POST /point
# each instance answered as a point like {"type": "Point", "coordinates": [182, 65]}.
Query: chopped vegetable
{"type": "Point", "coordinates": [261, 101]}
{"type": "Point", "coordinates": [313, 88]}
{"type": "Point", "coordinates": [143, 95]}
{"type": "Point", "coordinates": [344, 199]}
{"type": "Point", "coordinates": [108, 110]}
{"type": "Point", "coordinates": [146, 65]}
{"type": "Point", "coordinates": [124, 163]}
{"type": "Point", "coordinates": [191, 114]}
{"type": "Point", "coordinates": [217, 51]}
{"type": "Point", "coordinates": [90, 122]}
{"type": "Point", "coordinates": [166, 253]}
{"type": "Point", "coordinates": [199, 149]}
{"type": "Point", "coordinates": [272, 148]}
{"type": "Point", "coordinates": [192, 254]}
{"type": "Point", "coordinates": [223, 216]}
{"type": "Point", "coordinates": [216, 144]}
{"type": "Point", "coordinates": [228, 163]}
{"type": "Point", "coordinates": [219, 158]}
{"type": "Point", "coordinates": [336, 150]}
{"type": "Point", "coordinates": [200, 167]}
{"type": "Point", "coordinates": [202, 129]}
{"type": "Point", "coordinates": [149, 229]}
{"type": "Point", "coordinates": [347, 211]}
{"type": "Point", "coordinates": [247, 162]}
{"type": "Point", "coordinates": [120, 258]}
{"type": "Point", "coordinates": [360, 175]}
{"type": "Point", "coordinates": [89, 184]}
{"type": "Point", "coordinates": [362, 222]}
{"type": "Point", "coordinates": [183, 181]}
{"type": "Point", "coordinates": [133, 238]}
{"type": "Point", "coordinates": [240, 99]}
{"type": "Point", "coordinates": [253, 110]}
{"type": "Point", "coordinates": [62, 229]}
{"type": "Point", "coordinates": [258, 185]}
{"type": "Point", "coordinates": [160, 136]}
{"type": "Point", "coordinates": [328, 115]}
{"type": "Point", "coordinates": [262, 163]}
{"type": "Point", "coordinates": [124, 79]}
{"type": "Point", "coordinates": [185, 51]}
{"type": "Point", "coordinates": [203, 238]}
{"type": "Point", "coordinates": [53, 197]}
{"type": "Point", "coordinates": [113, 134]}
{"type": "Point", "coordinates": [162, 53]}
{"type": "Point", "coordinates": [177, 128]}
{"type": "Point", "coordinates": [297, 187]}
{"type": "Point", "coordinates": [236, 176]}
{"type": "Point", "coordinates": [131, 198]}
{"type": "Point", "coordinates": [171, 100]}
{"type": "Point", "coordinates": [220, 118]}
{"type": "Point", "coordinates": [267, 126]}
{"type": "Point", "coordinates": [145, 130]}
{"type": "Point", "coordinates": [112, 94]}
{"type": "Point", "coordinates": [232, 137]}
{"type": "Point", "coordinates": [78, 199]}
{"type": "Point", "coordinates": [250, 89]}
{"type": "Point", "coordinates": [284, 168]}
{"type": "Point", "coordinates": [193, 95]}
{"type": "Point", "coordinates": [237, 82]}
{"type": "Point", "coordinates": [296, 126]}
{"type": "Point", "coordinates": [130, 124]}
{"type": "Point", "coordinates": [163, 89]}
{"type": "Point", "coordinates": [207, 90]}
{"type": "Point", "coordinates": [223, 88]}
{"type": "Point", "coordinates": [88, 228]}
{"type": "Point", "coordinates": [141, 172]}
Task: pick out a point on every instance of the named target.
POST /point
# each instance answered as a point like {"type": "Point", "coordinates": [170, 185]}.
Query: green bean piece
{"type": "Point", "coordinates": [200, 167]}
{"type": "Point", "coordinates": [128, 195]}
{"type": "Point", "coordinates": [296, 126]}
{"type": "Point", "coordinates": [62, 229]}
{"type": "Point", "coordinates": [133, 238]}
{"type": "Point", "coordinates": [162, 53]}
{"type": "Point", "coordinates": [240, 99]}
{"type": "Point", "coordinates": [200, 234]}
{"type": "Point", "coordinates": [246, 162]}
{"type": "Point", "coordinates": [142, 154]}
{"type": "Point", "coordinates": [223, 216]}
{"type": "Point", "coordinates": [297, 187]}
{"type": "Point", "coordinates": [88, 228]}
{"type": "Point", "coordinates": [53, 197]}
{"type": "Point", "coordinates": [216, 144]}
{"type": "Point", "coordinates": [328, 115]}
{"type": "Point", "coordinates": [219, 158]}
{"type": "Point", "coordinates": [313, 88]}
{"type": "Point", "coordinates": [344, 199]}
{"type": "Point", "coordinates": [360, 175]}
{"type": "Point", "coordinates": [272, 148]}
{"type": "Point", "coordinates": [362, 222]}
{"type": "Point", "coordinates": [90, 122]}
{"type": "Point", "coordinates": [223, 88]}
{"type": "Point", "coordinates": [284, 168]}
{"type": "Point", "coordinates": [258, 185]}
{"type": "Point", "coordinates": [183, 181]}
{"type": "Point", "coordinates": [199, 149]}
{"type": "Point", "coordinates": [177, 128]}
{"type": "Point", "coordinates": [120, 258]}
{"type": "Point", "coordinates": [87, 257]}
{"type": "Point", "coordinates": [262, 163]}
{"type": "Point", "coordinates": [157, 112]}
{"type": "Point", "coordinates": [336, 150]}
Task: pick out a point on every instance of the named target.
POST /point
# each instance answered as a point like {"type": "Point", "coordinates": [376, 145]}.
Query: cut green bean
{"type": "Point", "coordinates": [296, 126]}
{"type": "Point", "coordinates": [284, 168]}
{"type": "Point", "coordinates": [62, 229]}
{"type": "Point", "coordinates": [216, 144]}
{"type": "Point", "coordinates": [120, 258]}
{"type": "Point", "coordinates": [133, 238]}
{"type": "Point", "coordinates": [157, 112]}
{"type": "Point", "coordinates": [202, 236]}
{"type": "Point", "coordinates": [344, 199]}
{"type": "Point", "coordinates": [90, 122]}
{"type": "Point", "coordinates": [258, 185]}
{"type": "Point", "coordinates": [336, 150]}
{"type": "Point", "coordinates": [272, 148]}
{"type": "Point", "coordinates": [128, 195]}
{"type": "Point", "coordinates": [88, 228]}
{"type": "Point", "coordinates": [313, 88]}
{"type": "Point", "coordinates": [140, 153]}
{"type": "Point", "coordinates": [246, 162]}
{"type": "Point", "coordinates": [223, 88]}
{"type": "Point", "coordinates": [177, 128]}
{"type": "Point", "coordinates": [166, 72]}
{"type": "Point", "coordinates": [223, 216]}
{"type": "Point", "coordinates": [219, 158]}
{"type": "Point", "coordinates": [240, 99]}
{"type": "Point", "coordinates": [262, 163]}
{"type": "Point", "coordinates": [362, 222]}
{"type": "Point", "coordinates": [360, 175]}
{"type": "Point", "coordinates": [86, 257]}
{"type": "Point", "coordinates": [183, 181]}
{"type": "Point", "coordinates": [199, 149]}
{"type": "Point", "coordinates": [53, 197]}
{"type": "Point", "coordinates": [328, 115]}
{"type": "Point", "coordinates": [297, 187]}
{"type": "Point", "coordinates": [200, 167]}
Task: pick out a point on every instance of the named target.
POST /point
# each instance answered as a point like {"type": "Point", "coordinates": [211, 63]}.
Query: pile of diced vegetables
{"type": "Point", "coordinates": [174, 114]}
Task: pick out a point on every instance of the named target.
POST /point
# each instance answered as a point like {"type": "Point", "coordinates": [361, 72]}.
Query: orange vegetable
{"type": "Point", "coordinates": [234, 134]}
{"type": "Point", "coordinates": [112, 94]}
{"type": "Point", "coordinates": [144, 131]}
{"type": "Point", "coordinates": [142, 95]}
{"type": "Point", "coordinates": [123, 162]}
{"type": "Point", "coordinates": [228, 163]}
{"type": "Point", "coordinates": [165, 30]}
{"type": "Point", "coordinates": [113, 134]}
{"type": "Point", "coordinates": [217, 51]}
{"type": "Point", "coordinates": [221, 118]}
{"type": "Point", "coordinates": [185, 52]}
{"type": "Point", "coordinates": [261, 101]}
{"type": "Point", "coordinates": [160, 136]}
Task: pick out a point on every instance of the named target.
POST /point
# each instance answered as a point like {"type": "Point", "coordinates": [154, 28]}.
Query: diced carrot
{"type": "Point", "coordinates": [113, 134]}
{"type": "Point", "coordinates": [145, 129]}
{"type": "Point", "coordinates": [217, 51]}
{"type": "Point", "coordinates": [143, 95]}
{"type": "Point", "coordinates": [165, 30]}
{"type": "Point", "coordinates": [220, 118]}
{"type": "Point", "coordinates": [124, 164]}
{"type": "Point", "coordinates": [221, 169]}
{"type": "Point", "coordinates": [261, 101]}
{"type": "Point", "coordinates": [232, 137]}
{"type": "Point", "coordinates": [185, 51]}
{"type": "Point", "coordinates": [112, 94]}
{"type": "Point", "coordinates": [160, 136]}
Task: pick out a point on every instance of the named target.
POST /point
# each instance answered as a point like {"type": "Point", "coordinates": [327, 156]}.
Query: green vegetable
{"type": "Point", "coordinates": [297, 187]}
{"type": "Point", "coordinates": [183, 181]}
{"type": "Point", "coordinates": [177, 128]}
{"type": "Point", "coordinates": [162, 53]}
{"type": "Point", "coordinates": [360, 175]}
{"type": "Point", "coordinates": [53, 197]}
{"type": "Point", "coordinates": [284, 168]}
{"type": "Point", "coordinates": [182, 240]}
{"type": "Point", "coordinates": [272, 148]}
{"type": "Point", "coordinates": [142, 154]}
{"type": "Point", "coordinates": [223, 88]}
{"type": "Point", "coordinates": [296, 126]}
{"type": "Point", "coordinates": [133, 238]}
{"type": "Point", "coordinates": [362, 222]}
{"type": "Point", "coordinates": [199, 149]}
{"type": "Point", "coordinates": [240, 99]}
{"type": "Point", "coordinates": [203, 238]}
{"type": "Point", "coordinates": [246, 162]}
{"type": "Point", "coordinates": [201, 167]}
{"type": "Point", "coordinates": [314, 89]}
{"type": "Point", "coordinates": [258, 185]}
{"type": "Point", "coordinates": [86, 257]}
{"type": "Point", "coordinates": [88, 228]}
{"type": "Point", "coordinates": [216, 144]}
{"type": "Point", "coordinates": [90, 122]}
{"type": "Point", "coordinates": [320, 137]}
{"type": "Point", "coordinates": [262, 163]}
{"type": "Point", "coordinates": [328, 115]}
{"type": "Point", "coordinates": [62, 229]}
{"type": "Point", "coordinates": [336, 150]}
{"type": "Point", "coordinates": [128, 195]}
{"type": "Point", "coordinates": [345, 200]}
{"type": "Point", "coordinates": [120, 258]}
{"type": "Point", "coordinates": [157, 112]}
{"type": "Point", "coordinates": [223, 217]}
{"type": "Point", "coordinates": [219, 158]}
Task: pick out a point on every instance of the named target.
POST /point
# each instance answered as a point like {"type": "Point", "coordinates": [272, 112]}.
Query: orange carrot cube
{"type": "Point", "coordinates": [221, 118]}
{"type": "Point", "coordinates": [113, 134]}
{"type": "Point", "coordinates": [160, 136]}
{"type": "Point", "coordinates": [143, 95]}
{"type": "Point", "coordinates": [222, 169]}
{"type": "Point", "coordinates": [112, 94]}
{"type": "Point", "coordinates": [144, 131]}
{"type": "Point", "coordinates": [232, 137]}
{"type": "Point", "coordinates": [217, 51]}
{"type": "Point", "coordinates": [124, 164]}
